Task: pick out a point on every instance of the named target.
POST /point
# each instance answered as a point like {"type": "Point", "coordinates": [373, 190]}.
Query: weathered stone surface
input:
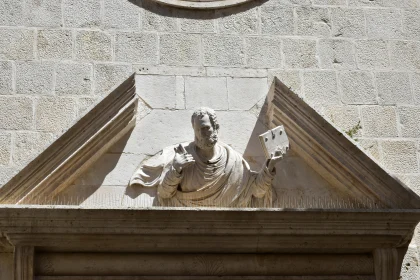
{"type": "Point", "coordinates": [384, 23]}
{"type": "Point", "coordinates": [16, 44]}
{"type": "Point", "coordinates": [121, 14]}
{"type": "Point", "coordinates": [159, 92]}
{"type": "Point", "coordinates": [330, 2]}
{"type": "Point", "coordinates": [34, 77]}
{"type": "Point", "coordinates": [372, 54]}
{"type": "Point", "coordinates": [74, 79]}
{"type": "Point", "coordinates": [243, 22]}
{"type": "Point", "coordinates": [348, 23]}
{"type": "Point", "coordinates": [263, 52]}
{"type": "Point", "coordinates": [5, 148]}
{"type": "Point", "coordinates": [83, 105]}
{"type": "Point", "coordinates": [400, 156]}
{"type": "Point", "coordinates": [12, 13]}
{"type": "Point", "coordinates": [357, 87]}
{"type": "Point", "coordinates": [109, 75]}
{"type": "Point", "coordinates": [313, 21]}
{"type": "Point", "coordinates": [203, 91]}
{"type": "Point", "coordinates": [142, 69]}
{"type": "Point", "coordinates": [300, 53]}
{"type": "Point", "coordinates": [180, 92]}
{"type": "Point", "coordinates": [93, 45]}
{"type": "Point", "coordinates": [410, 269]}
{"type": "Point", "coordinates": [6, 77]}
{"type": "Point", "coordinates": [371, 147]}
{"type": "Point", "coordinates": [405, 55]}
{"type": "Point", "coordinates": [27, 145]}
{"type": "Point", "coordinates": [394, 88]}
{"type": "Point", "coordinates": [223, 50]}
{"type": "Point", "coordinates": [54, 114]}
{"type": "Point", "coordinates": [416, 87]}
{"type": "Point", "coordinates": [16, 113]}
{"type": "Point", "coordinates": [82, 14]}
{"type": "Point", "coordinates": [136, 47]}
{"type": "Point", "coordinates": [346, 118]}
{"type": "Point", "coordinates": [412, 24]}
{"type": "Point", "coordinates": [384, 3]}
{"type": "Point", "coordinates": [409, 118]}
{"type": "Point", "coordinates": [338, 54]}
{"type": "Point", "coordinates": [243, 93]}
{"type": "Point", "coordinates": [54, 44]}
{"type": "Point", "coordinates": [5, 174]}
{"type": "Point", "coordinates": [277, 20]}
{"type": "Point", "coordinates": [320, 88]}
{"type": "Point", "coordinates": [156, 17]}
{"type": "Point", "coordinates": [43, 13]}
{"type": "Point", "coordinates": [379, 121]}
{"type": "Point", "coordinates": [291, 79]}
{"type": "Point", "coordinates": [180, 49]}
{"type": "Point", "coordinates": [235, 72]}
{"type": "Point", "coordinates": [197, 21]}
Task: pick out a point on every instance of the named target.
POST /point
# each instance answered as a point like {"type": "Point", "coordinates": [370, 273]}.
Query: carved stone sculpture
{"type": "Point", "coordinates": [206, 172]}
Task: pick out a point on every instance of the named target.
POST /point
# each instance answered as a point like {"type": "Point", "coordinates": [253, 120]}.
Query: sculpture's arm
{"type": "Point", "coordinates": [263, 181]}
{"type": "Point", "coordinates": [169, 185]}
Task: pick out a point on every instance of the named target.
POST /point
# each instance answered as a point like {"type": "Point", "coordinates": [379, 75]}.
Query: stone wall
{"type": "Point", "coordinates": [353, 60]}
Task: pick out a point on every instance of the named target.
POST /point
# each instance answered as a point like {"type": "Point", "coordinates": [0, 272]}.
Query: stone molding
{"type": "Point", "coordinates": [77, 149]}
{"type": "Point", "coordinates": [334, 155]}
{"type": "Point", "coordinates": [24, 263]}
{"type": "Point", "coordinates": [386, 262]}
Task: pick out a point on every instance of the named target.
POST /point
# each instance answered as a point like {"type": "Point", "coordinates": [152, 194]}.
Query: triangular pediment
{"type": "Point", "coordinates": [91, 163]}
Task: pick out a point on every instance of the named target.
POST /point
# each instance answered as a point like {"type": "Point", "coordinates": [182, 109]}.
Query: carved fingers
{"type": "Point", "coordinates": [276, 156]}
{"type": "Point", "coordinates": [182, 159]}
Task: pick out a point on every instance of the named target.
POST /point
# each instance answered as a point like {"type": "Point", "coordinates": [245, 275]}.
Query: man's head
{"type": "Point", "coordinates": [206, 127]}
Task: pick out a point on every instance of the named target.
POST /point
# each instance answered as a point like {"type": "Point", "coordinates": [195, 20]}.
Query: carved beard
{"type": "Point", "coordinates": [205, 143]}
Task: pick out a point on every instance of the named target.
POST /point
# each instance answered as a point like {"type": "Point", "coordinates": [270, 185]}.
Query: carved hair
{"type": "Point", "coordinates": [201, 112]}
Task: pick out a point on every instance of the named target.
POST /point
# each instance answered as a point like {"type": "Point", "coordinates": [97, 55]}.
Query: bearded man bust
{"type": "Point", "coordinates": [206, 172]}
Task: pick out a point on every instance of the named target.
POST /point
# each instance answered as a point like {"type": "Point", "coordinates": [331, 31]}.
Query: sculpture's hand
{"type": "Point", "coordinates": [182, 159]}
{"type": "Point", "coordinates": [276, 157]}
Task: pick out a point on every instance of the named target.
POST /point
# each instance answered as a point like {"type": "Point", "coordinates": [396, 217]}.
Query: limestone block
{"type": "Point", "coordinates": [180, 49]}
{"type": "Point", "coordinates": [220, 50]}
{"type": "Point", "coordinates": [410, 269]}
{"type": "Point", "coordinates": [290, 78]}
{"type": "Point", "coordinates": [34, 77]}
{"type": "Point", "coordinates": [346, 118]}
{"type": "Point", "coordinates": [320, 88]}
{"type": "Point", "coordinates": [277, 20]}
{"type": "Point", "coordinates": [93, 45]}
{"type": "Point", "coordinates": [242, 22]}
{"type": "Point", "coordinates": [54, 44]}
{"type": "Point", "coordinates": [84, 104]}
{"type": "Point", "coordinates": [371, 147]}
{"type": "Point", "coordinates": [291, 2]}
{"type": "Point", "coordinates": [206, 91]}
{"type": "Point", "coordinates": [236, 72]}
{"type": "Point", "coordinates": [82, 14]}
{"type": "Point", "coordinates": [243, 93]}
{"type": "Point", "coordinates": [43, 13]}
{"type": "Point", "coordinates": [28, 145]}
{"type": "Point", "coordinates": [263, 52]}
{"type": "Point", "coordinates": [357, 87]}
{"type": "Point", "coordinates": [136, 47]}
{"type": "Point", "coordinates": [6, 173]}
{"type": "Point", "coordinates": [6, 77]}
{"type": "Point", "coordinates": [372, 54]}
{"type": "Point", "coordinates": [159, 129]}
{"type": "Point", "coordinates": [54, 114]}
{"type": "Point", "coordinates": [409, 121]}
{"type": "Point", "coordinates": [156, 17]}
{"type": "Point", "coordinates": [197, 21]}
{"type": "Point", "coordinates": [74, 79]}
{"type": "Point", "coordinates": [330, 2]}
{"type": "Point", "coordinates": [384, 23]}
{"type": "Point", "coordinates": [111, 169]}
{"type": "Point", "coordinates": [12, 13]}
{"type": "Point", "coordinates": [394, 88]}
{"type": "Point", "coordinates": [411, 24]}
{"type": "Point", "coordinates": [159, 92]}
{"type": "Point", "coordinates": [300, 53]}
{"type": "Point", "coordinates": [5, 148]}
{"type": "Point", "coordinates": [169, 70]}
{"type": "Point", "coordinates": [379, 121]}
{"type": "Point", "coordinates": [416, 87]}
{"type": "Point", "coordinates": [348, 23]}
{"type": "Point", "coordinates": [104, 196]}
{"type": "Point", "coordinates": [180, 92]}
{"type": "Point", "coordinates": [400, 156]}
{"type": "Point", "coordinates": [109, 75]}
{"type": "Point", "coordinates": [16, 113]}
{"type": "Point", "coordinates": [16, 44]}
{"type": "Point", "coordinates": [121, 14]}
{"type": "Point", "coordinates": [337, 54]}
{"type": "Point", "coordinates": [405, 55]}
{"type": "Point", "coordinates": [413, 182]}
{"type": "Point", "coordinates": [384, 3]}
{"type": "Point", "coordinates": [313, 21]}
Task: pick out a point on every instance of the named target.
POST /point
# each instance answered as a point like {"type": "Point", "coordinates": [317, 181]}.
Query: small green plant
{"type": "Point", "coordinates": [353, 131]}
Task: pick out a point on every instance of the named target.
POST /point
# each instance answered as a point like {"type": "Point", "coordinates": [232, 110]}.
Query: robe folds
{"type": "Point", "coordinates": [226, 181]}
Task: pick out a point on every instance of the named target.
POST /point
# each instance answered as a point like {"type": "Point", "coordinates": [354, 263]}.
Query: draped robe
{"type": "Point", "coordinates": [225, 181]}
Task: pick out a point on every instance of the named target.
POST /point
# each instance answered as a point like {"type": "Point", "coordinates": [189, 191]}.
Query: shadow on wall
{"type": "Point", "coordinates": [175, 12]}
